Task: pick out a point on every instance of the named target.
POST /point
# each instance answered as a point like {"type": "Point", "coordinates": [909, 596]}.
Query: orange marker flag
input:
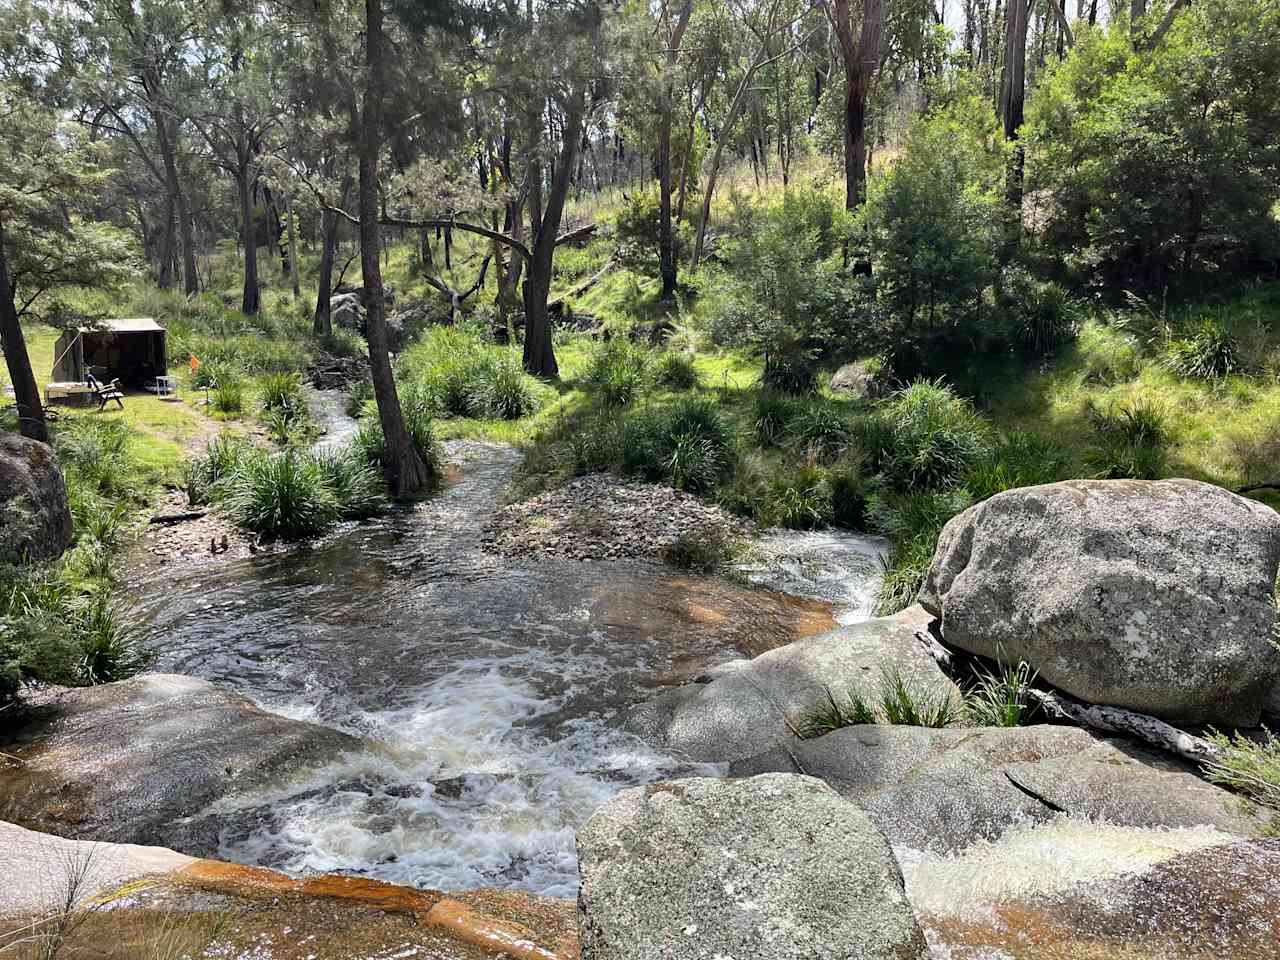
{"type": "Point", "coordinates": [195, 363]}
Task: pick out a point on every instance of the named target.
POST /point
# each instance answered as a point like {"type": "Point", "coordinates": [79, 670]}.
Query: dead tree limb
{"type": "Point", "coordinates": [1118, 720]}
{"type": "Point", "coordinates": [559, 302]}
{"type": "Point", "coordinates": [1254, 487]}
{"type": "Point", "coordinates": [457, 298]}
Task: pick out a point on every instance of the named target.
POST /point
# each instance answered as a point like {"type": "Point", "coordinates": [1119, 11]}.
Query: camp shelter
{"type": "Point", "coordinates": [132, 351]}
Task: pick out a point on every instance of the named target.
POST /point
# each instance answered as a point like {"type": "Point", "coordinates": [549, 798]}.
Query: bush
{"type": "Point", "coordinates": [284, 495]}
{"type": "Point", "coordinates": [1018, 460]}
{"type": "Point", "coordinates": [797, 501]}
{"type": "Point", "coordinates": [1131, 441]}
{"type": "Point", "coordinates": [1210, 352]}
{"type": "Point", "coordinates": [687, 444]}
{"type": "Point", "coordinates": [702, 551]}
{"type": "Point", "coordinates": [1252, 769]}
{"type": "Point", "coordinates": [925, 436]}
{"type": "Point", "coordinates": [913, 522]}
{"type": "Point", "coordinates": [676, 371]}
{"type": "Point", "coordinates": [617, 372]}
{"type": "Point", "coordinates": [228, 396]}
{"type": "Point", "coordinates": [1002, 698]}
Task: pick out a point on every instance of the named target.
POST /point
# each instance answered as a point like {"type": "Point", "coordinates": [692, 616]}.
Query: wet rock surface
{"type": "Point", "coordinates": [138, 761]}
{"type": "Point", "coordinates": [749, 706]}
{"type": "Point", "coordinates": [771, 867]}
{"type": "Point", "coordinates": [35, 521]}
{"type": "Point", "coordinates": [602, 517]}
{"type": "Point", "coordinates": [1153, 596]}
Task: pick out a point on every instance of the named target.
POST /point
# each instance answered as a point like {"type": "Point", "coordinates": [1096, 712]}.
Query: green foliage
{"type": "Point", "coordinates": [203, 472]}
{"type": "Point", "coordinates": [617, 372]}
{"type": "Point", "coordinates": [281, 391]}
{"type": "Point", "coordinates": [1018, 460]}
{"type": "Point", "coordinates": [228, 396]}
{"type": "Point", "coordinates": [789, 368]}
{"type": "Point", "coordinates": [636, 229]}
{"type": "Point", "coordinates": [417, 408]}
{"type": "Point", "coordinates": [1208, 352]}
{"type": "Point", "coordinates": [819, 432]}
{"type": "Point", "coordinates": [703, 551]}
{"type": "Point", "coordinates": [283, 495]}
{"type": "Point", "coordinates": [925, 436]}
{"type": "Point", "coordinates": [687, 444]}
{"type": "Point", "coordinates": [97, 453]}
{"type": "Point", "coordinates": [455, 374]}
{"type": "Point", "coordinates": [1250, 767]}
{"type": "Point", "coordinates": [676, 371]}
{"type": "Point", "coordinates": [774, 411]}
{"type": "Point", "coordinates": [912, 521]}
{"type": "Point", "coordinates": [356, 484]}
{"type": "Point", "coordinates": [361, 395]}
{"type": "Point", "coordinates": [896, 700]}
{"type": "Point", "coordinates": [797, 500]}
{"type": "Point", "coordinates": [935, 223]}
{"type": "Point", "coordinates": [1131, 442]}
{"type": "Point", "coordinates": [1041, 315]}
{"type": "Point", "coordinates": [1162, 162]}
{"type": "Point", "coordinates": [1001, 698]}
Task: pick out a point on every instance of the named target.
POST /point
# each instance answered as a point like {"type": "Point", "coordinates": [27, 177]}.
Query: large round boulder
{"type": "Point", "coordinates": [35, 522]}
{"type": "Point", "coordinates": [1158, 596]}
{"type": "Point", "coordinates": [774, 867]}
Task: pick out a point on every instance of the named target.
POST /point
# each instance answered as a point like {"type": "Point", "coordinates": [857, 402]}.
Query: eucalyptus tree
{"type": "Point", "coordinates": [49, 240]}
{"type": "Point", "coordinates": [861, 59]}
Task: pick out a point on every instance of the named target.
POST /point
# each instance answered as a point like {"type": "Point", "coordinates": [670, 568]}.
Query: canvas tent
{"type": "Point", "coordinates": [132, 351]}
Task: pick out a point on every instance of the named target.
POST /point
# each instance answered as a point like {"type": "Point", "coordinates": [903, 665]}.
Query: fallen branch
{"type": "Point", "coordinates": [559, 302]}
{"type": "Point", "coordinates": [167, 518]}
{"type": "Point", "coordinates": [584, 232]}
{"type": "Point", "coordinates": [1118, 720]}
{"type": "Point", "coordinates": [935, 649]}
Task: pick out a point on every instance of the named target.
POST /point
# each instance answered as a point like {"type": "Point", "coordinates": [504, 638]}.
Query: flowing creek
{"type": "Point", "coordinates": [487, 692]}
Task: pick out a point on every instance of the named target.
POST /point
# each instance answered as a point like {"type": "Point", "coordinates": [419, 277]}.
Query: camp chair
{"type": "Point", "coordinates": [105, 392]}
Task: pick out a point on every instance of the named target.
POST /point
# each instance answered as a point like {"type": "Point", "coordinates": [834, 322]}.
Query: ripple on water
{"type": "Point", "coordinates": [490, 690]}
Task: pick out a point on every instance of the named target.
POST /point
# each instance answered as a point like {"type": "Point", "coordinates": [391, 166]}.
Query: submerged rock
{"type": "Point", "coordinates": [1154, 596]}
{"type": "Point", "coordinates": [749, 706]}
{"type": "Point", "coordinates": [138, 761]}
{"type": "Point", "coordinates": [773, 867]}
{"type": "Point", "coordinates": [35, 521]}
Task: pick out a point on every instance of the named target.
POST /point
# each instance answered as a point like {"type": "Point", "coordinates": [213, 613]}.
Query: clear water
{"type": "Point", "coordinates": [489, 692]}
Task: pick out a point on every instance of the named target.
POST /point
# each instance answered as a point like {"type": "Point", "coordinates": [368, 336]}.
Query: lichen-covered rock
{"type": "Point", "coordinates": [859, 379]}
{"type": "Point", "coordinates": [35, 522]}
{"type": "Point", "coordinates": [771, 868]}
{"type": "Point", "coordinates": [1155, 596]}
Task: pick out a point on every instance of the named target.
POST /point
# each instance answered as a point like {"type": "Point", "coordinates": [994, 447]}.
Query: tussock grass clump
{"type": "Point", "coordinates": [676, 371]}
{"type": "Point", "coordinates": [457, 375]}
{"type": "Point", "coordinates": [925, 436]}
{"type": "Point", "coordinates": [773, 412]}
{"type": "Point", "coordinates": [418, 409]}
{"type": "Point", "coordinates": [819, 432]}
{"type": "Point", "coordinates": [797, 500]}
{"type": "Point", "coordinates": [284, 495]}
{"type": "Point", "coordinates": [97, 452]}
{"type": "Point", "coordinates": [1018, 460]}
{"type": "Point", "coordinates": [702, 551]}
{"type": "Point", "coordinates": [895, 700]}
{"type": "Point", "coordinates": [1001, 697]}
{"type": "Point", "coordinates": [356, 484]}
{"type": "Point", "coordinates": [227, 396]}
{"type": "Point", "coordinates": [1208, 352]}
{"type": "Point", "coordinates": [913, 521]}
{"type": "Point", "coordinates": [1131, 442]}
{"type": "Point", "coordinates": [1251, 768]}
{"type": "Point", "coordinates": [687, 444]}
{"type": "Point", "coordinates": [617, 372]}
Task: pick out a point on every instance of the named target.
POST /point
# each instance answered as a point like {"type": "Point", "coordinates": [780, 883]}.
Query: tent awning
{"type": "Point", "coordinates": [129, 325]}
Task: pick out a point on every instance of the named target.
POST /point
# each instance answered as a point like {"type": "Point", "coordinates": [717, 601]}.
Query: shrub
{"type": "Point", "coordinates": [1210, 352]}
{"type": "Point", "coordinates": [912, 521]}
{"type": "Point", "coordinates": [617, 372]}
{"type": "Point", "coordinates": [283, 495]}
{"type": "Point", "coordinates": [1002, 698]}
{"type": "Point", "coordinates": [1018, 460]}
{"type": "Point", "coordinates": [790, 369]}
{"type": "Point", "coordinates": [797, 501]}
{"type": "Point", "coordinates": [676, 371]}
{"type": "Point", "coordinates": [457, 375]}
{"type": "Point", "coordinates": [687, 444]}
{"type": "Point", "coordinates": [819, 431]}
{"type": "Point", "coordinates": [702, 551]}
{"type": "Point", "coordinates": [1131, 441]}
{"type": "Point", "coordinates": [228, 396]}
{"type": "Point", "coordinates": [1251, 768]}
{"type": "Point", "coordinates": [355, 483]}
{"type": "Point", "coordinates": [925, 436]}
{"type": "Point", "coordinates": [774, 410]}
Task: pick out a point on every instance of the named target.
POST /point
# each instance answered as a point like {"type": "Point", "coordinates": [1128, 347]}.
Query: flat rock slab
{"type": "Point", "coordinates": [750, 706]}
{"type": "Point", "coordinates": [150, 902]}
{"type": "Point", "coordinates": [130, 761]}
{"type": "Point", "coordinates": [942, 791]}
{"type": "Point", "coordinates": [769, 868]}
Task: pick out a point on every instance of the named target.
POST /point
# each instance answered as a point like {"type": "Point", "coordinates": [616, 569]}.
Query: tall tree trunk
{"type": "Point", "coordinates": [250, 301]}
{"type": "Point", "coordinates": [168, 237]}
{"type": "Point", "coordinates": [666, 235]}
{"type": "Point", "coordinates": [1012, 99]}
{"type": "Point", "coordinates": [539, 352]}
{"type": "Point", "coordinates": [30, 411]}
{"type": "Point", "coordinates": [166, 136]}
{"type": "Point", "coordinates": [293, 246]}
{"type": "Point", "coordinates": [403, 466]}
{"type": "Point", "coordinates": [321, 320]}
{"type": "Point", "coordinates": [861, 61]}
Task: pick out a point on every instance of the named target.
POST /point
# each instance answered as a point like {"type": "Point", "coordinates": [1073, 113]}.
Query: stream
{"type": "Point", "coordinates": [487, 692]}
